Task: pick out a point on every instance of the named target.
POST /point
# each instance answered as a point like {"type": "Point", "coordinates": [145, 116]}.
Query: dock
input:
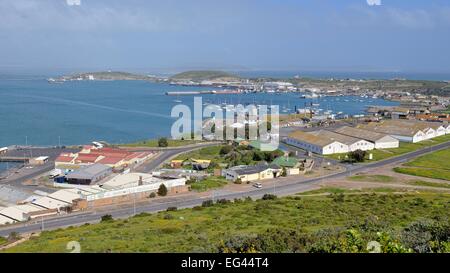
{"type": "Point", "coordinates": [14, 159]}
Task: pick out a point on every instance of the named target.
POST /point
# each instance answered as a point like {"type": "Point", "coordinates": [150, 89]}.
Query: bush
{"type": "Point", "coordinates": [171, 209]}
{"type": "Point", "coordinates": [268, 196]}
{"type": "Point", "coordinates": [223, 201]}
{"type": "Point", "coordinates": [225, 150]}
{"type": "Point", "coordinates": [162, 142]}
{"type": "Point", "coordinates": [358, 155]}
{"type": "Point", "coordinates": [107, 218]}
{"type": "Point", "coordinates": [162, 191]}
{"type": "Point", "coordinates": [238, 181]}
{"type": "Point", "coordinates": [152, 195]}
{"type": "Point", "coordinates": [207, 203]}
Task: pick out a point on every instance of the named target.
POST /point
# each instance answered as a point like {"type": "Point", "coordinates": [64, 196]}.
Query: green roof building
{"type": "Point", "coordinates": [287, 162]}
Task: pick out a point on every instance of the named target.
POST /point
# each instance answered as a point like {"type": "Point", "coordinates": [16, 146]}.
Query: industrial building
{"type": "Point", "coordinates": [89, 174]}
{"type": "Point", "coordinates": [381, 141]}
{"type": "Point", "coordinates": [352, 143]}
{"type": "Point", "coordinates": [316, 143]}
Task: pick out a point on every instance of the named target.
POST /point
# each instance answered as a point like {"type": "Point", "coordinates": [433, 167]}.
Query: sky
{"type": "Point", "coordinates": [169, 35]}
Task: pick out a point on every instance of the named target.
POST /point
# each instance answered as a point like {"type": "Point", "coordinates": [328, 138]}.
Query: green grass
{"type": "Point", "coordinates": [373, 178]}
{"type": "Point", "coordinates": [405, 147]}
{"type": "Point", "coordinates": [207, 153]}
{"type": "Point", "coordinates": [430, 184]}
{"type": "Point", "coordinates": [3, 240]}
{"type": "Point", "coordinates": [153, 143]}
{"type": "Point", "coordinates": [434, 165]}
{"type": "Point", "coordinates": [430, 173]}
{"type": "Point", "coordinates": [209, 183]}
{"type": "Point", "coordinates": [202, 229]}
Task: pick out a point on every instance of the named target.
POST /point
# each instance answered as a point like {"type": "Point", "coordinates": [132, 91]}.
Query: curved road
{"type": "Point", "coordinates": [163, 204]}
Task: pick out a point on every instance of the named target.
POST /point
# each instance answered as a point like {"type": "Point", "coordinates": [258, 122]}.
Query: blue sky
{"type": "Point", "coordinates": [143, 35]}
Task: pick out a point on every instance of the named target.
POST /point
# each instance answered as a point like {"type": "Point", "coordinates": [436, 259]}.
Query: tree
{"type": "Point", "coordinates": [284, 172]}
{"type": "Point", "coordinates": [358, 155]}
{"type": "Point", "coordinates": [162, 142]}
{"type": "Point", "coordinates": [162, 191]}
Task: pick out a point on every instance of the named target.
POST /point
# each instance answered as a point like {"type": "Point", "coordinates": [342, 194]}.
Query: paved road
{"type": "Point", "coordinates": [163, 204]}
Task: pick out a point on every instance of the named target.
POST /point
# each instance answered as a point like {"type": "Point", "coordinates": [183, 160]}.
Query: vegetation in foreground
{"type": "Point", "coordinates": [435, 165]}
{"type": "Point", "coordinates": [410, 222]}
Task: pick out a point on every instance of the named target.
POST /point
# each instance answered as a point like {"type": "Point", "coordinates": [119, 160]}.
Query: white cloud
{"type": "Point", "coordinates": [374, 2]}
{"type": "Point", "coordinates": [73, 2]}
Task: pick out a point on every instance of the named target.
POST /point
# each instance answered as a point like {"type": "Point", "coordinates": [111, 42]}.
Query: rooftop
{"type": "Point", "coordinates": [89, 172]}
{"type": "Point", "coordinates": [360, 133]}
{"type": "Point", "coordinates": [310, 138]}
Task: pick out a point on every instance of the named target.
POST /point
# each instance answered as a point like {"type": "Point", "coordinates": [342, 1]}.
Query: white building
{"type": "Point", "coordinates": [353, 143]}
{"type": "Point", "coordinates": [316, 143]}
{"type": "Point", "coordinates": [381, 141]}
{"type": "Point", "coordinates": [401, 132]}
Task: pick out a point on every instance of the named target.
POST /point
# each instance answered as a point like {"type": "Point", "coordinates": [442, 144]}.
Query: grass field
{"type": "Point", "coordinates": [373, 178]}
{"type": "Point", "coordinates": [3, 241]}
{"type": "Point", "coordinates": [430, 184]}
{"type": "Point", "coordinates": [434, 165]}
{"type": "Point", "coordinates": [153, 143]}
{"type": "Point", "coordinates": [405, 147]}
{"type": "Point", "coordinates": [207, 153]}
{"type": "Point", "coordinates": [202, 229]}
{"type": "Point", "coordinates": [209, 183]}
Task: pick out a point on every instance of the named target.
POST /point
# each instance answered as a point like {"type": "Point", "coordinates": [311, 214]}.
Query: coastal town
{"type": "Point", "coordinates": [101, 175]}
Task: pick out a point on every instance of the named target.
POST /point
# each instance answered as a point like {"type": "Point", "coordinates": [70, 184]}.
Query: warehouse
{"type": "Point", "coordinates": [352, 143]}
{"type": "Point", "coordinates": [15, 214]}
{"type": "Point", "coordinates": [401, 132]}
{"type": "Point", "coordinates": [381, 141]}
{"type": "Point", "coordinates": [5, 220]}
{"type": "Point", "coordinates": [316, 143]}
{"type": "Point", "coordinates": [50, 203]}
{"type": "Point", "coordinates": [89, 175]}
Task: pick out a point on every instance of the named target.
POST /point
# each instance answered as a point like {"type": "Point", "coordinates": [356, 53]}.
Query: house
{"type": "Point", "coordinates": [352, 143]}
{"type": "Point", "coordinates": [380, 141]}
{"type": "Point", "coordinates": [290, 164]}
{"type": "Point", "coordinates": [252, 173]}
{"type": "Point", "coordinates": [316, 143]}
{"type": "Point", "coordinates": [88, 175]}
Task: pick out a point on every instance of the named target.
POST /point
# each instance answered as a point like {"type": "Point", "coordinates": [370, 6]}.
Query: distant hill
{"type": "Point", "coordinates": [108, 75]}
{"type": "Point", "coordinates": [201, 75]}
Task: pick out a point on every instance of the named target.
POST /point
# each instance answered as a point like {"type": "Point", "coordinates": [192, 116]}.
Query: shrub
{"type": "Point", "coordinates": [207, 203]}
{"type": "Point", "coordinates": [357, 155]}
{"type": "Point", "coordinates": [162, 191]}
{"type": "Point", "coordinates": [152, 195]}
{"type": "Point", "coordinates": [107, 218]}
{"type": "Point", "coordinates": [268, 196]}
{"type": "Point", "coordinates": [171, 209]}
{"type": "Point", "coordinates": [223, 201]}
{"type": "Point", "coordinates": [162, 142]}
{"type": "Point", "coordinates": [225, 150]}
{"type": "Point", "coordinates": [238, 181]}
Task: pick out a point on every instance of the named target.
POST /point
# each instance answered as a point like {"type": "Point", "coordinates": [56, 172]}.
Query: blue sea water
{"type": "Point", "coordinates": [116, 111]}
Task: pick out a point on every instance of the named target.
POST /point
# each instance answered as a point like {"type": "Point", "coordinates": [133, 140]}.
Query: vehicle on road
{"type": "Point", "coordinates": [257, 185]}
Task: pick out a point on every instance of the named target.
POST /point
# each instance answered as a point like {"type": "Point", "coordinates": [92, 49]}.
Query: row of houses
{"type": "Point", "coordinates": [375, 135]}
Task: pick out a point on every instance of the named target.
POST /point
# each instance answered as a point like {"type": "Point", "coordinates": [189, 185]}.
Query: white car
{"type": "Point", "coordinates": [257, 185]}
